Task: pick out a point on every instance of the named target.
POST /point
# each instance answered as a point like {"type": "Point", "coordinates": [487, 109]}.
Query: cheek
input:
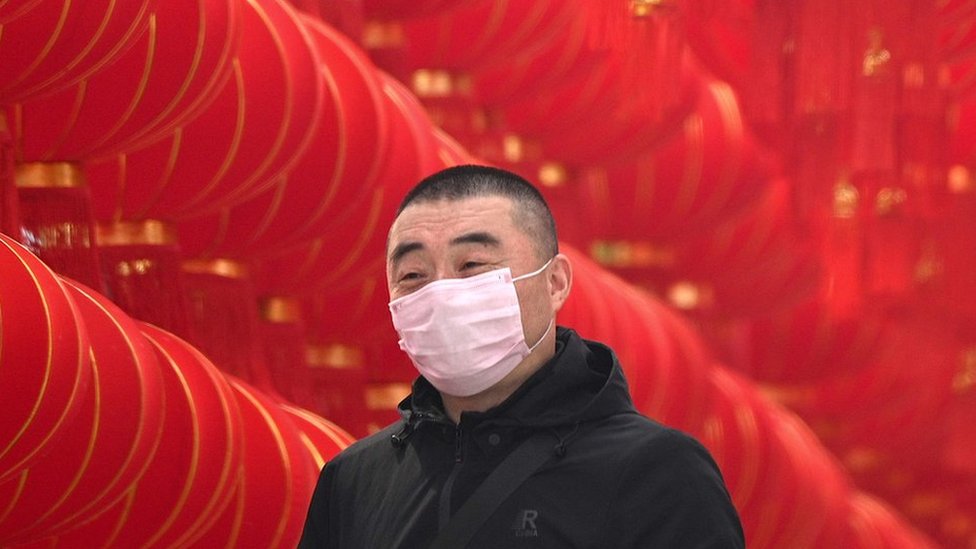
{"type": "Point", "coordinates": [536, 311]}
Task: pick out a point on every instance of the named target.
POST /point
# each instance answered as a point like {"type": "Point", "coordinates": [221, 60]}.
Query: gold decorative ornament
{"type": "Point", "coordinates": [281, 310]}
{"type": "Point", "coordinates": [148, 232]}
{"type": "Point", "coordinates": [40, 175]}
{"type": "Point", "coordinates": [334, 355]}
{"type": "Point", "coordinates": [227, 268]}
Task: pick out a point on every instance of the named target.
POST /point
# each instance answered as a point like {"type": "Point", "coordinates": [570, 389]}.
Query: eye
{"type": "Point", "coordinates": [409, 276]}
{"type": "Point", "coordinates": [468, 265]}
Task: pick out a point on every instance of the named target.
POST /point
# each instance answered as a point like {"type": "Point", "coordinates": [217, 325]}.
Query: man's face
{"type": "Point", "coordinates": [455, 239]}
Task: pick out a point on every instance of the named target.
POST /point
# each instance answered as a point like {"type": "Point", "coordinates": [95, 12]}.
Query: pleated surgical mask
{"type": "Point", "coordinates": [464, 335]}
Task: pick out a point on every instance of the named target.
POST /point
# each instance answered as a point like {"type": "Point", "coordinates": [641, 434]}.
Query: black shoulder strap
{"type": "Point", "coordinates": [509, 475]}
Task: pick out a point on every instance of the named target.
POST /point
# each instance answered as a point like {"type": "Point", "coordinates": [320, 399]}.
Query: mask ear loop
{"type": "Point", "coordinates": [552, 322]}
{"type": "Point", "coordinates": [535, 272]}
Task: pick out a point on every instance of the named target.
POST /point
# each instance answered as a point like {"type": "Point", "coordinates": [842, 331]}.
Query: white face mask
{"type": "Point", "coordinates": [464, 334]}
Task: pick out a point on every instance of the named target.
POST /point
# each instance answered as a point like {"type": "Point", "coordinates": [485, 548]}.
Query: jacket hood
{"type": "Point", "coordinates": [582, 382]}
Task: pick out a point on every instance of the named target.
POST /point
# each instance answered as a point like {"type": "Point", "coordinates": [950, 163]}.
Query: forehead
{"type": "Point", "coordinates": [431, 221]}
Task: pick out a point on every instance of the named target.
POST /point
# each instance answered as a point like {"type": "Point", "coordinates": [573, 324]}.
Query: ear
{"type": "Point", "coordinates": [560, 278]}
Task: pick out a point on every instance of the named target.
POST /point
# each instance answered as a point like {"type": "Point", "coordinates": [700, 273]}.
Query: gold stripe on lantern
{"type": "Point", "coordinates": [41, 175]}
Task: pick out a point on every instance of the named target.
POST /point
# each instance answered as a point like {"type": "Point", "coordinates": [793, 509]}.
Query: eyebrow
{"type": "Point", "coordinates": [477, 238]}
{"type": "Point", "coordinates": [405, 248]}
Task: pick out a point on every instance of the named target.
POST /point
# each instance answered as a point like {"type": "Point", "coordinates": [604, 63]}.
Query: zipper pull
{"type": "Point", "coordinates": [457, 444]}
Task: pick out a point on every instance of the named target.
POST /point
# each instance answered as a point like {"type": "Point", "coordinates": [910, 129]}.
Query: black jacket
{"type": "Point", "coordinates": [616, 480]}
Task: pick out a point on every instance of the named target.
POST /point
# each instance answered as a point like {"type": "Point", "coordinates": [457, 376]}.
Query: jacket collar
{"type": "Point", "coordinates": [582, 382]}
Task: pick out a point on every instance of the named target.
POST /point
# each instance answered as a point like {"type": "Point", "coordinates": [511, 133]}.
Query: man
{"type": "Point", "coordinates": [475, 281]}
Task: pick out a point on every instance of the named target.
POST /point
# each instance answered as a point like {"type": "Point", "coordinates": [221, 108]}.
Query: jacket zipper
{"type": "Point", "coordinates": [444, 514]}
{"type": "Point", "coordinates": [458, 455]}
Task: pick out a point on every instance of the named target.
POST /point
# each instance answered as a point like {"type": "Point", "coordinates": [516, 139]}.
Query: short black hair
{"type": "Point", "coordinates": [531, 213]}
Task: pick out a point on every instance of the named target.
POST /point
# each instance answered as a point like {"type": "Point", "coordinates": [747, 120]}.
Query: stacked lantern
{"type": "Point", "coordinates": [226, 170]}
{"type": "Point", "coordinates": [126, 417]}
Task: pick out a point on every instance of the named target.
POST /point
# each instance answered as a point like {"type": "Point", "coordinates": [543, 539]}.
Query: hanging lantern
{"type": "Point", "coordinates": [337, 377]}
{"type": "Point", "coordinates": [359, 246]}
{"type": "Point", "coordinates": [322, 438]}
{"type": "Point", "coordinates": [754, 442]}
{"type": "Point", "coordinates": [191, 477]}
{"type": "Point", "coordinates": [279, 474]}
{"type": "Point", "coordinates": [44, 359]}
{"type": "Point", "coordinates": [705, 175]}
{"type": "Point", "coordinates": [872, 523]}
{"type": "Point", "coordinates": [111, 441]}
{"type": "Point", "coordinates": [258, 126]}
{"type": "Point", "coordinates": [491, 30]}
{"type": "Point", "coordinates": [48, 44]}
{"type": "Point", "coordinates": [889, 403]}
{"type": "Point", "coordinates": [404, 9]}
{"type": "Point", "coordinates": [807, 343]}
{"type": "Point", "coordinates": [173, 71]}
{"type": "Point", "coordinates": [680, 359]}
{"type": "Point", "coordinates": [749, 265]}
{"type": "Point", "coordinates": [332, 180]}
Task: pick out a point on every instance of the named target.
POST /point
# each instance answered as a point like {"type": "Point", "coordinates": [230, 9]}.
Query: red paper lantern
{"type": "Point", "coordinates": [821, 487]}
{"type": "Point", "coordinates": [807, 343]}
{"type": "Point", "coordinates": [607, 309]}
{"type": "Point", "coordinates": [754, 264]}
{"type": "Point", "coordinates": [403, 9]}
{"type": "Point", "coordinates": [891, 402]}
{"type": "Point", "coordinates": [338, 383]}
{"type": "Point", "coordinates": [721, 35]}
{"type": "Point", "coordinates": [191, 477]}
{"type": "Point", "coordinates": [56, 219]}
{"type": "Point", "coordinates": [282, 331]}
{"type": "Point", "coordinates": [732, 434]}
{"type": "Point", "coordinates": [49, 45]}
{"type": "Point", "coordinates": [873, 524]}
{"type": "Point", "coordinates": [256, 129]}
{"type": "Point", "coordinates": [111, 441]}
{"type": "Point", "coordinates": [331, 180]}
{"type": "Point", "coordinates": [322, 439]}
{"type": "Point", "coordinates": [788, 490]}
{"type": "Point", "coordinates": [166, 78]}
{"type": "Point", "coordinates": [44, 358]}
{"type": "Point", "coordinates": [556, 63]}
{"type": "Point", "coordinates": [491, 31]}
{"type": "Point", "coordinates": [703, 176]}
{"type": "Point", "coordinates": [333, 258]}
{"type": "Point", "coordinates": [279, 473]}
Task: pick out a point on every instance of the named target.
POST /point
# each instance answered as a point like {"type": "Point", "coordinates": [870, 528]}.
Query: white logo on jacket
{"type": "Point", "coordinates": [525, 524]}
